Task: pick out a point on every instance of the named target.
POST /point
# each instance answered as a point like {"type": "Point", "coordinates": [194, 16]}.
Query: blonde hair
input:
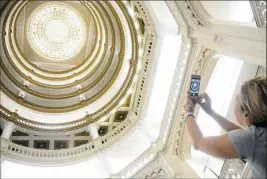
{"type": "Point", "coordinates": [254, 101]}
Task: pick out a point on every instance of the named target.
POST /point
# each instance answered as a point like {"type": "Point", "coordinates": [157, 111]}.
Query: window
{"type": "Point", "coordinates": [220, 88]}
{"type": "Point", "coordinates": [41, 144]}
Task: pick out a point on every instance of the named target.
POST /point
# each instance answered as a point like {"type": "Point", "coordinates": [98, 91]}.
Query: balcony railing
{"type": "Point", "coordinates": [55, 156]}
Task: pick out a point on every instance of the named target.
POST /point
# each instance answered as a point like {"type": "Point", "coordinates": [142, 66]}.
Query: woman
{"type": "Point", "coordinates": [247, 141]}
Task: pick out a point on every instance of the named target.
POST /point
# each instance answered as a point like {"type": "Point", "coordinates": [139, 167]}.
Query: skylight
{"type": "Point", "coordinates": [56, 31]}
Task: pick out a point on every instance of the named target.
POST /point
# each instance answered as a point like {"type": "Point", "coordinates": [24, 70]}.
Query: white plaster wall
{"type": "Point", "coordinates": [89, 169]}
{"type": "Point", "coordinates": [229, 10]}
{"type": "Point", "coordinates": [248, 71]}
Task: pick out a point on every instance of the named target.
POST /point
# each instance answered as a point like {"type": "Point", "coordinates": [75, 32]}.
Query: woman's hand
{"type": "Point", "coordinates": [205, 102]}
{"type": "Point", "coordinates": [191, 103]}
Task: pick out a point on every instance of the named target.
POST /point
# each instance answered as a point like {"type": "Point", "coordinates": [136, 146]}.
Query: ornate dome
{"type": "Point", "coordinates": [72, 64]}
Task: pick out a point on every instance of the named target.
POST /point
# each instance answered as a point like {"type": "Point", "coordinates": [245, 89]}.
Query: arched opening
{"type": "Point", "coordinates": [223, 85]}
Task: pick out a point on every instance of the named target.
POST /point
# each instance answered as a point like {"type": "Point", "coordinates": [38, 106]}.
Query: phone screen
{"type": "Point", "coordinates": [194, 85]}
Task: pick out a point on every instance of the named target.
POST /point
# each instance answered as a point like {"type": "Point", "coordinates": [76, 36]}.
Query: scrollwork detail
{"type": "Point", "coordinates": [156, 173]}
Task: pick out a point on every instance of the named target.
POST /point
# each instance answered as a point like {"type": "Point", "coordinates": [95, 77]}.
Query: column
{"type": "Point", "coordinates": [71, 142]}
{"type": "Point", "coordinates": [244, 43]}
{"type": "Point", "coordinates": [9, 127]}
{"type": "Point", "coordinates": [51, 144]}
{"type": "Point", "coordinates": [93, 130]}
{"type": "Point", "coordinates": [31, 141]}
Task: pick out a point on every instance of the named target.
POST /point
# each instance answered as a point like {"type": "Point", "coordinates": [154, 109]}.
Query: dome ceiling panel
{"type": "Point", "coordinates": [56, 31]}
{"type": "Point", "coordinates": [22, 42]}
{"type": "Point", "coordinates": [93, 89]}
{"type": "Point", "coordinates": [78, 81]}
{"type": "Point", "coordinates": [34, 72]}
{"type": "Point", "coordinates": [64, 96]}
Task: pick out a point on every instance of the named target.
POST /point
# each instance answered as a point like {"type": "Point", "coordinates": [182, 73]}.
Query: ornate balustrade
{"type": "Point", "coordinates": [10, 149]}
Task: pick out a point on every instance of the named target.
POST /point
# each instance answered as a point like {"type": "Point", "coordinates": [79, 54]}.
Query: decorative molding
{"type": "Point", "coordinates": [159, 168]}
{"type": "Point", "coordinates": [155, 173]}
{"type": "Point", "coordinates": [259, 11]}
{"type": "Point", "coordinates": [196, 68]}
{"type": "Point", "coordinates": [202, 13]}
{"type": "Point", "coordinates": [193, 15]}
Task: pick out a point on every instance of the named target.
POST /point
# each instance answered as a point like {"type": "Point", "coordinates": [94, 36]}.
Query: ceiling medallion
{"type": "Point", "coordinates": [56, 31]}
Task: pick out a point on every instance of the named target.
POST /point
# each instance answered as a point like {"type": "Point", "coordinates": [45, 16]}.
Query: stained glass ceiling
{"type": "Point", "coordinates": [56, 31]}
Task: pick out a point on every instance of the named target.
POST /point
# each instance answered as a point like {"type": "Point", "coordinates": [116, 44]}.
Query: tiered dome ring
{"type": "Point", "coordinates": [63, 100]}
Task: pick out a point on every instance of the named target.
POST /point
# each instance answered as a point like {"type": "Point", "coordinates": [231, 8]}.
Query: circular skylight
{"type": "Point", "coordinates": [56, 31]}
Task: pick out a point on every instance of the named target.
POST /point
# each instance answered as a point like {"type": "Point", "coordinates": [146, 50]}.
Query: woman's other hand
{"type": "Point", "coordinates": [205, 102]}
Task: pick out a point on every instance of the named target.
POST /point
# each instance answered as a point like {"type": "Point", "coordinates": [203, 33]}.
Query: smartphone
{"type": "Point", "coordinates": [194, 85]}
